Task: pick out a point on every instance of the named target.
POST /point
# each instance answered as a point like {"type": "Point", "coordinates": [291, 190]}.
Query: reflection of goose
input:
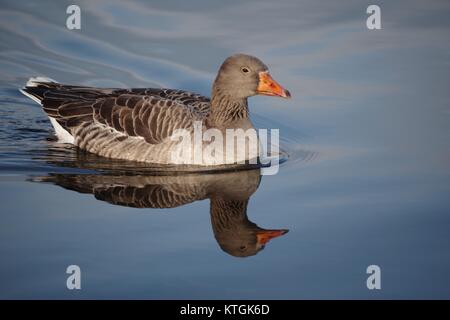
{"type": "Point", "coordinates": [137, 124]}
{"type": "Point", "coordinates": [229, 193]}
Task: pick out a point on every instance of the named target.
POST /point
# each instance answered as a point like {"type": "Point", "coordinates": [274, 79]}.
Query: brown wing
{"type": "Point", "coordinates": [150, 117]}
{"type": "Point", "coordinates": [195, 101]}
{"type": "Point", "coordinates": [149, 113]}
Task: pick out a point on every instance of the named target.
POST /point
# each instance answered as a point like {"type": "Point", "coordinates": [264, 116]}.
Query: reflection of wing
{"type": "Point", "coordinates": [146, 191]}
{"type": "Point", "coordinates": [132, 191]}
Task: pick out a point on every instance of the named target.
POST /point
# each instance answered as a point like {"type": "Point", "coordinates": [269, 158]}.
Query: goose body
{"type": "Point", "coordinates": [140, 124]}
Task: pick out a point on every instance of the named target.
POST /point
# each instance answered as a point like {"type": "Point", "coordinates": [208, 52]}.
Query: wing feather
{"type": "Point", "coordinates": [152, 114]}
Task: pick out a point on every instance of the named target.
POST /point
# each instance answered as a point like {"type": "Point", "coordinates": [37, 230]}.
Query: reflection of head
{"type": "Point", "coordinates": [234, 233]}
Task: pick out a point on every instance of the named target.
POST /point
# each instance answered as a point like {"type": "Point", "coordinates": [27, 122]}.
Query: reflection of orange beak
{"type": "Point", "coordinates": [269, 87]}
{"type": "Point", "coordinates": [264, 236]}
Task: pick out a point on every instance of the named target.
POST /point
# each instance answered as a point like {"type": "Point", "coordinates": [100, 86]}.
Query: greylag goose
{"type": "Point", "coordinates": [229, 195]}
{"type": "Point", "coordinates": [139, 124]}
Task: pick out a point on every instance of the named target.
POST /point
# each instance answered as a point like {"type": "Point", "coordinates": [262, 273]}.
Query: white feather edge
{"type": "Point", "coordinates": [63, 135]}
{"type": "Point", "coordinates": [33, 81]}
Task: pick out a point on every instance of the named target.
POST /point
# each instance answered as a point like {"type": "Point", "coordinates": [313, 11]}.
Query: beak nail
{"type": "Point", "coordinates": [269, 87]}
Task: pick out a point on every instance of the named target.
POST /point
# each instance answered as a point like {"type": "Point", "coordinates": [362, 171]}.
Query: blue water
{"type": "Point", "coordinates": [368, 134]}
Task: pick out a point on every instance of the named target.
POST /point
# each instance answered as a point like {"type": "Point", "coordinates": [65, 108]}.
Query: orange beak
{"type": "Point", "coordinates": [269, 87]}
{"type": "Point", "coordinates": [264, 236]}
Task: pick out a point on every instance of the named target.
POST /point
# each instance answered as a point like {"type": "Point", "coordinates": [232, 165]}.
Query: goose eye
{"type": "Point", "coordinates": [245, 70]}
{"type": "Point", "coordinates": [243, 247]}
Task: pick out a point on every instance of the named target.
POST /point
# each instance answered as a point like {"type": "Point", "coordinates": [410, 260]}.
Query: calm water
{"type": "Point", "coordinates": [367, 131]}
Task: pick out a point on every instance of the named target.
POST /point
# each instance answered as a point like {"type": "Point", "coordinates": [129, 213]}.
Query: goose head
{"type": "Point", "coordinates": [242, 76]}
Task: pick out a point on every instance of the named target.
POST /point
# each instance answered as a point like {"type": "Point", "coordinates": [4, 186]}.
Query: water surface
{"type": "Point", "coordinates": [367, 131]}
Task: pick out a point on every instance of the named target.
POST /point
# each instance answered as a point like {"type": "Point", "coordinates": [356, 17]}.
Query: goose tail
{"type": "Point", "coordinates": [35, 89]}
